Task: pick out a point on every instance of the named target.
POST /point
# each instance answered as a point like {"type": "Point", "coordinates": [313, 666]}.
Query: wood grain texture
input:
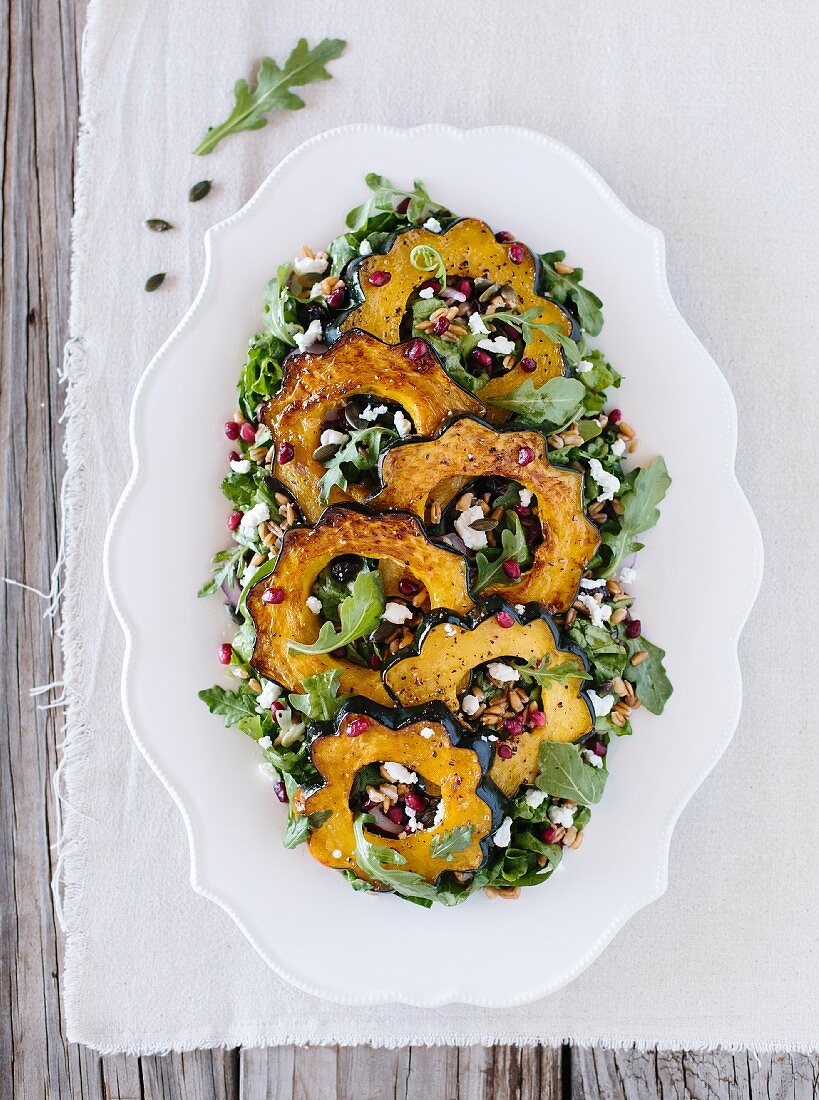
{"type": "Point", "coordinates": [39, 105]}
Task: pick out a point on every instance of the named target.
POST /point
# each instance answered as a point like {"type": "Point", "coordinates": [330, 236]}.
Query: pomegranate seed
{"type": "Point", "coordinates": [234, 519]}
{"type": "Point", "coordinates": [634, 629]}
{"type": "Point", "coordinates": [430, 284]}
{"type": "Point", "coordinates": [232, 429]}
{"type": "Point", "coordinates": [276, 706]}
{"type": "Point", "coordinates": [598, 748]}
{"type": "Point", "coordinates": [615, 416]}
{"type": "Point", "coordinates": [513, 726]}
{"type": "Point", "coordinates": [285, 453]}
{"type": "Point", "coordinates": [357, 726]}
{"type": "Point", "coordinates": [481, 358]}
{"type": "Point", "coordinates": [416, 350]}
{"type": "Point", "coordinates": [537, 719]}
{"type": "Point", "coordinates": [440, 326]}
{"type": "Point", "coordinates": [527, 365]}
{"type": "Point", "coordinates": [511, 569]}
{"type": "Point", "coordinates": [503, 237]}
{"type": "Point", "coordinates": [225, 653]}
{"type": "Point", "coordinates": [504, 619]}
{"type": "Point", "coordinates": [466, 287]}
{"type": "Point", "coordinates": [408, 588]}
{"type": "Point", "coordinates": [273, 595]}
{"type": "Point", "coordinates": [280, 791]}
{"type": "Point", "coordinates": [248, 432]}
{"type": "Point", "coordinates": [549, 834]}
{"type": "Point", "coordinates": [415, 802]}
{"type": "Point", "coordinates": [335, 300]}
{"type": "Point", "coordinates": [504, 751]}
{"type": "Point", "coordinates": [509, 332]}
{"type": "Point", "coordinates": [375, 662]}
{"type": "Point", "coordinates": [525, 456]}
{"type": "Point", "coordinates": [403, 206]}
{"type": "Point", "coordinates": [517, 253]}
{"type": "Point", "coordinates": [522, 509]}
{"type": "Point", "coordinates": [396, 815]}
{"type": "Point", "coordinates": [234, 456]}
{"type": "Point", "coordinates": [379, 278]}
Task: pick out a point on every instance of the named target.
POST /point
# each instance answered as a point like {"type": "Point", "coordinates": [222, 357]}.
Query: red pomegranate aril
{"type": "Point", "coordinates": [549, 834]}
{"type": "Point", "coordinates": [440, 326]}
{"type": "Point", "coordinates": [375, 662]}
{"type": "Point", "coordinates": [509, 332]}
{"type": "Point", "coordinates": [234, 519]}
{"type": "Point", "coordinates": [466, 287]}
{"type": "Point", "coordinates": [276, 706]}
{"type": "Point", "coordinates": [280, 791]}
{"type": "Point", "coordinates": [225, 653]}
{"type": "Point", "coordinates": [357, 726]}
{"type": "Point", "coordinates": [379, 278]}
{"type": "Point", "coordinates": [248, 432]}
{"type": "Point", "coordinates": [525, 456]}
{"type": "Point", "coordinates": [416, 350]}
{"type": "Point", "coordinates": [415, 802]}
{"type": "Point", "coordinates": [527, 365]}
{"type": "Point", "coordinates": [285, 453]}
{"type": "Point", "coordinates": [634, 629]}
{"type": "Point", "coordinates": [396, 815]}
{"type": "Point", "coordinates": [537, 719]}
{"type": "Point", "coordinates": [430, 284]}
{"type": "Point", "coordinates": [504, 619]}
{"type": "Point", "coordinates": [232, 429]}
{"type": "Point", "coordinates": [273, 595]}
{"type": "Point", "coordinates": [503, 237]}
{"type": "Point", "coordinates": [403, 206]}
{"type": "Point", "coordinates": [599, 748]}
{"type": "Point", "coordinates": [511, 569]}
{"type": "Point", "coordinates": [522, 510]}
{"type": "Point", "coordinates": [517, 253]}
{"type": "Point", "coordinates": [513, 726]}
{"type": "Point", "coordinates": [505, 752]}
{"type": "Point", "coordinates": [481, 358]}
{"type": "Point", "coordinates": [335, 300]}
{"type": "Point", "coordinates": [408, 588]}
{"type": "Point", "coordinates": [615, 416]}
{"type": "Point", "coordinates": [234, 456]}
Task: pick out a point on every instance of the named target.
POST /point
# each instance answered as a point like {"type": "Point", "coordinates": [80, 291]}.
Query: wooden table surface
{"type": "Point", "coordinates": [39, 46]}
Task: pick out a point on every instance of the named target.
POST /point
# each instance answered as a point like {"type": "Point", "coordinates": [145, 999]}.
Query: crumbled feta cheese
{"type": "Point", "coordinates": [607, 482]}
{"type": "Point", "coordinates": [365, 248]}
{"type": "Point", "coordinates": [244, 580]}
{"type": "Point", "coordinates": [266, 698]}
{"type": "Point", "coordinates": [268, 772]}
{"type": "Point", "coordinates": [561, 815]}
{"type": "Point", "coordinates": [259, 513]}
{"type": "Point", "coordinates": [599, 613]}
{"type": "Point", "coordinates": [240, 465]}
{"type": "Point", "coordinates": [618, 447]}
{"type": "Point", "coordinates": [265, 742]}
{"type": "Point", "coordinates": [371, 413]}
{"type": "Point", "coordinates": [504, 834]}
{"type": "Point", "coordinates": [476, 324]}
{"type": "Point", "coordinates": [427, 732]}
{"type": "Point", "coordinates": [314, 604]}
{"type": "Point", "coordinates": [470, 704]}
{"type": "Point", "coordinates": [491, 737]}
{"type": "Point", "coordinates": [310, 265]}
{"type": "Point", "coordinates": [313, 335]}
{"type": "Point", "coordinates": [592, 758]}
{"type": "Point", "coordinates": [331, 438]}
{"type": "Point", "coordinates": [525, 497]}
{"type": "Point", "coordinates": [449, 630]}
{"type": "Point", "coordinates": [337, 853]}
{"type": "Point", "coordinates": [535, 798]}
{"type": "Point", "coordinates": [402, 424]}
{"type": "Point", "coordinates": [503, 673]}
{"type": "Point", "coordinates": [520, 608]}
{"type": "Point", "coordinates": [627, 575]}
{"type": "Point", "coordinates": [602, 704]}
{"type": "Point", "coordinates": [440, 810]}
{"type": "Point", "coordinates": [499, 344]}
{"type": "Point", "coordinates": [590, 583]}
{"type": "Point", "coordinates": [583, 367]}
{"type": "Point", "coordinates": [396, 613]}
{"type": "Point", "coordinates": [433, 225]}
{"type": "Point", "coordinates": [427, 292]}
{"type": "Point", "coordinates": [472, 540]}
{"type": "Point", "coordinates": [399, 774]}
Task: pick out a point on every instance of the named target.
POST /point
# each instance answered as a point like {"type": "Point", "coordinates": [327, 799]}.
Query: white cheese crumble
{"type": "Point", "coordinates": [440, 810]}
{"type": "Point", "coordinates": [402, 424]}
{"type": "Point", "coordinates": [476, 324]}
{"type": "Point", "coordinates": [240, 465]}
{"type": "Point", "coordinates": [337, 853]}
{"type": "Point", "coordinates": [583, 367]}
{"type": "Point", "coordinates": [561, 815]}
{"type": "Point", "coordinates": [503, 673]}
{"type": "Point", "coordinates": [520, 608]}
{"type": "Point", "coordinates": [504, 834]}
{"type": "Point", "coordinates": [310, 265]}
{"type": "Point", "coordinates": [449, 630]}
{"type": "Point", "coordinates": [499, 344]}
{"type": "Point", "coordinates": [259, 513]}
{"type": "Point", "coordinates": [268, 772]}
{"type": "Point", "coordinates": [627, 575]}
{"type": "Point", "coordinates": [618, 447]}
{"type": "Point", "coordinates": [245, 577]}
{"type": "Point", "coordinates": [535, 798]}
{"type": "Point", "coordinates": [525, 497]}
{"type": "Point", "coordinates": [265, 742]}
{"type": "Point", "coordinates": [396, 613]}
{"type": "Point", "coordinates": [427, 292]}
{"type": "Point", "coordinates": [313, 603]}
{"type": "Point", "coordinates": [590, 584]}
{"type": "Point", "coordinates": [313, 335]}
{"type": "Point", "coordinates": [433, 225]}
{"type": "Point", "coordinates": [470, 705]}
{"type": "Point", "coordinates": [266, 698]}
{"type": "Point", "coordinates": [599, 613]}
{"type": "Point", "coordinates": [602, 704]}
{"type": "Point", "coordinates": [592, 758]}
{"type": "Point", "coordinates": [472, 540]}
{"type": "Point", "coordinates": [399, 774]}
{"type": "Point", "coordinates": [365, 248]}
{"type": "Point", "coordinates": [371, 413]}
{"type": "Point", "coordinates": [330, 438]}
{"type": "Point", "coordinates": [607, 482]}
{"type": "Point", "coordinates": [427, 732]}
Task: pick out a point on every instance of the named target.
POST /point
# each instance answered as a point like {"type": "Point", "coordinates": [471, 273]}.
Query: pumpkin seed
{"type": "Point", "coordinates": [199, 190]}
{"type": "Point", "coordinates": [155, 281]}
{"type": "Point", "coordinates": [158, 225]}
{"type": "Point", "coordinates": [484, 525]}
{"type": "Point", "coordinates": [490, 292]}
{"type": "Point", "coordinates": [325, 453]}
{"type": "Point", "coordinates": [352, 415]}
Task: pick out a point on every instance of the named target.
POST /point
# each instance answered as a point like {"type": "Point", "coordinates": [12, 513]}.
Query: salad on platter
{"type": "Point", "coordinates": [434, 518]}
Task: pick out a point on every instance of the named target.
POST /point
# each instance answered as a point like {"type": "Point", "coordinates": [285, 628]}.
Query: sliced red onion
{"type": "Point", "coordinates": [452, 294]}
{"type": "Point", "coordinates": [456, 542]}
{"type": "Point", "coordinates": [381, 821]}
{"type": "Point", "coordinates": [232, 592]}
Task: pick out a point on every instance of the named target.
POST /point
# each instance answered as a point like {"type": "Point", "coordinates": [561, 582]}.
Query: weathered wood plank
{"type": "Point", "coordinates": [198, 1075]}
{"type": "Point", "coordinates": [121, 1077]}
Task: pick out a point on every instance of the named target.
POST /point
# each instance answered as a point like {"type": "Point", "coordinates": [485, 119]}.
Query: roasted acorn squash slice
{"type": "Point", "coordinates": [314, 385]}
{"type": "Point", "coordinates": [424, 740]}
{"type": "Point", "coordinates": [420, 472]}
{"type": "Point", "coordinates": [469, 249]}
{"type": "Point", "coordinates": [395, 537]}
{"type": "Point", "coordinates": [438, 666]}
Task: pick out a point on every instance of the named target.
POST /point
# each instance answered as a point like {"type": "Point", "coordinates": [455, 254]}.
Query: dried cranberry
{"type": "Point", "coordinates": [416, 350]}
{"type": "Point", "coordinates": [403, 206]}
{"type": "Point", "coordinates": [357, 726]}
{"type": "Point", "coordinates": [232, 429]}
{"type": "Point", "coordinates": [335, 299]}
{"type": "Point", "coordinates": [598, 748]}
{"type": "Point", "coordinates": [248, 433]}
{"type": "Point", "coordinates": [505, 751]}
{"type": "Point", "coordinates": [548, 834]}
{"type": "Point", "coordinates": [273, 595]}
{"type": "Point", "coordinates": [503, 237]}
{"type": "Point", "coordinates": [396, 815]}
{"type": "Point", "coordinates": [513, 726]}
{"type": "Point", "coordinates": [379, 278]}
{"type": "Point", "coordinates": [285, 453]}
{"type": "Point", "coordinates": [234, 519]}
{"type": "Point", "coordinates": [615, 416]}
{"type": "Point", "coordinates": [441, 325]}
{"type": "Point", "coordinates": [375, 662]}
{"type": "Point", "coordinates": [415, 802]}
{"type": "Point", "coordinates": [634, 628]}
{"type": "Point", "coordinates": [525, 456]}
{"type": "Point", "coordinates": [481, 358]}
{"type": "Point", "coordinates": [504, 619]}
{"type": "Point", "coordinates": [408, 588]}
{"type": "Point", "coordinates": [517, 253]}
{"type": "Point", "coordinates": [280, 791]}
{"type": "Point", "coordinates": [225, 653]}
{"type": "Point", "coordinates": [511, 569]}
{"type": "Point", "coordinates": [537, 719]}
{"type": "Point", "coordinates": [527, 365]}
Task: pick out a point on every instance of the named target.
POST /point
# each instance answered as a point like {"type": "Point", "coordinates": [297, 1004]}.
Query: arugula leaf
{"type": "Point", "coordinates": [227, 565]}
{"type": "Point", "coordinates": [384, 198]}
{"type": "Point", "coordinates": [428, 259]}
{"type": "Point", "coordinates": [321, 702]}
{"type": "Point", "coordinates": [518, 864]}
{"type": "Point", "coordinates": [359, 614]}
{"type": "Point", "coordinates": [556, 401]}
{"type": "Point", "coordinates": [272, 91]}
{"type": "Point", "coordinates": [361, 452]}
{"type": "Point", "coordinates": [568, 287]}
{"type": "Point", "coordinates": [605, 653]}
{"type": "Point", "coordinates": [546, 675]}
{"type": "Point", "coordinates": [564, 774]}
{"type": "Point", "coordinates": [232, 705]}
{"type": "Point", "coordinates": [299, 826]}
{"type": "Point", "coordinates": [261, 375]}
{"type": "Point", "coordinates": [640, 512]}
{"type": "Point", "coordinates": [378, 862]}
{"type": "Point", "coordinates": [246, 490]}
{"type": "Point", "coordinates": [280, 316]}
{"type": "Point", "coordinates": [602, 375]}
{"type": "Point", "coordinates": [451, 841]}
{"type": "Point", "coordinates": [526, 324]}
{"type": "Point", "coordinates": [513, 547]}
{"type": "Point", "coordinates": [650, 679]}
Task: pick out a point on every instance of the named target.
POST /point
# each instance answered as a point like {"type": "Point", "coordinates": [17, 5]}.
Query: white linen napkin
{"type": "Point", "coordinates": [697, 116]}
